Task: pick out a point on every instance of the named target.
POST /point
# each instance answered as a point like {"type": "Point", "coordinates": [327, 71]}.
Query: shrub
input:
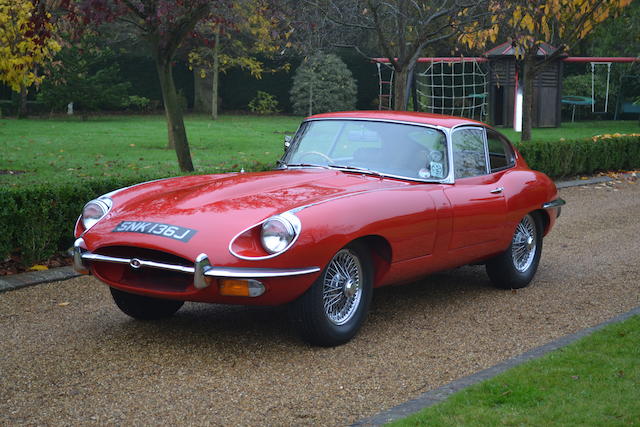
{"type": "Point", "coordinates": [264, 103]}
{"type": "Point", "coordinates": [583, 156]}
{"type": "Point", "coordinates": [321, 84]}
{"type": "Point", "coordinates": [37, 221]}
{"type": "Point", "coordinates": [138, 103]}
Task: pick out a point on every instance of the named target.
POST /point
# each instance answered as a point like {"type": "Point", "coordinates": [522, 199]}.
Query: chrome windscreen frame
{"type": "Point", "coordinates": [201, 270]}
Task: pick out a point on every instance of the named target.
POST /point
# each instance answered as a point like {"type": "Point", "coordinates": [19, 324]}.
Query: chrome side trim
{"type": "Point", "coordinates": [256, 273]}
{"type": "Point", "coordinates": [202, 267]}
{"type": "Point", "coordinates": [554, 204]}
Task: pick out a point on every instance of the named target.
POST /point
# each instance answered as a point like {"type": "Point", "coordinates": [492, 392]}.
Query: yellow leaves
{"type": "Point", "coordinates": [38, 267]}
{"type": "Point", "coordinates": [530, 22]}
{"type": "Point", "coordinates": [615, 135]}
{"type": "Point", "coordinates": [20, 48]}
{"type": "Point", "coordinates": [476, 38]}
{"type": "Point", "coordinates": [254, 34]}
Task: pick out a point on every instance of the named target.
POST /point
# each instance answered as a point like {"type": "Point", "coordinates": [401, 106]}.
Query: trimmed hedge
{"type": "Point", "coordinates": [38, 221]}
{"type": "Point", "coordinates": [586, 156]}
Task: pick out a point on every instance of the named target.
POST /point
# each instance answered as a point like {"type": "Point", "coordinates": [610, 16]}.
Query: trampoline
{"type": "Point", "coordinates": [574, 100]}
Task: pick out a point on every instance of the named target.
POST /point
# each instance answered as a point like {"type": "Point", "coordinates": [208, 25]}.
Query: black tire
{"type": "Point", "coordinates": [506, 270]}
{"type": "Point", "coordinates": [144, 308]}
{"type": "Point", "coordinates": [316, 313]}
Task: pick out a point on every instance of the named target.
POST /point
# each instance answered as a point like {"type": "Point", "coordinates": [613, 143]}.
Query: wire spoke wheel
{"type": "Point", "coordinates": [342, 287]}
{"type": "Point", "coordinates": [524, 244]}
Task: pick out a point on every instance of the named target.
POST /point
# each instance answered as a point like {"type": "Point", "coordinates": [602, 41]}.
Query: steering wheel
{"type": "Point", "coordinates": [317, 153]}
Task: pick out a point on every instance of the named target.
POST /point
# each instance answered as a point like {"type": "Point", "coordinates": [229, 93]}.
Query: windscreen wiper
{"type": "Point", "coordinates": [303, 165]}
{"type": "Point", "coordinates": [347, 168]}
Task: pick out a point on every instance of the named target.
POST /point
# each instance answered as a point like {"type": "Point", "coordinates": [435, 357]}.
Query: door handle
{"type": "Point", "coordinates": [497, 190]}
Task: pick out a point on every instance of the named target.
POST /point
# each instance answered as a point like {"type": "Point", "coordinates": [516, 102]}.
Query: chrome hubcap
{"type": "Point", "coordinates": [524, 244]}
{"type": "Point", "coordinates": [342, 291]}
{"type": "Point", "coordinates": [349, 289]}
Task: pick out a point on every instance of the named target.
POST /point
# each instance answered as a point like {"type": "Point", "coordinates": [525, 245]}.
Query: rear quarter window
{"type": "Point", "coordinates": [501, 155]}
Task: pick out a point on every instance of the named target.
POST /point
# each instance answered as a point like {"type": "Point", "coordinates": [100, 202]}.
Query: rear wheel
{"type": "Point", "coordinates": [332, 311]}
{"type": "Point", "coordinates": [515, 267]}
{"type": "Point", "coordinates": [144, 308]}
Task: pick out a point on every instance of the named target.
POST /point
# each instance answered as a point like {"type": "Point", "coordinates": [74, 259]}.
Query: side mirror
{"type": "Point", "coordinates": [287, 142]}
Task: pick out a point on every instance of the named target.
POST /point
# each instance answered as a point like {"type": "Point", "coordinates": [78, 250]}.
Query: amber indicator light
{"type": "Point", "coordinates": [234, 288]}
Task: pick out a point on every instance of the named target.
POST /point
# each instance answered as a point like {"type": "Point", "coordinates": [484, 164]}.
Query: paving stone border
{"type": "Point", "coordinates": [16, 281]}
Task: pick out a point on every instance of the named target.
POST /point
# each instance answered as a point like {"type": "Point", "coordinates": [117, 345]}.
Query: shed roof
{"type": "Point", "coordinates": [507, 49]}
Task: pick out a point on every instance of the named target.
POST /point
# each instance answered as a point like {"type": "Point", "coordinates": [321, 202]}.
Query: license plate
{"type": "Point", "coordinates": [175, 232]}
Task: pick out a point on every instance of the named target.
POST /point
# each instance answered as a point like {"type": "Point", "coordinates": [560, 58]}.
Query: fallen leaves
{"type": "Point", "coordinates": [613, 135]}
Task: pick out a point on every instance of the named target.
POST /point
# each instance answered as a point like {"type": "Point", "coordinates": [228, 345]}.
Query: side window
{"type": "Point", "coordinates": [468, 153]}
{"type": "Point", "coordinates": [500, 154]}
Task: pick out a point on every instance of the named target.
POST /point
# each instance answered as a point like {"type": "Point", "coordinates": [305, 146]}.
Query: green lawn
{"type": "Point", "coordinates": [595, 381]}
{"type": "Point", "coordinates": [579, 130]}
{"type": "Point", "coordinates": [59, 149]}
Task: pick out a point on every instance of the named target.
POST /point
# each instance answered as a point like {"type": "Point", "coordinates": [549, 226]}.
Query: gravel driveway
{"type": "Point", "coordinates": [68, 356]}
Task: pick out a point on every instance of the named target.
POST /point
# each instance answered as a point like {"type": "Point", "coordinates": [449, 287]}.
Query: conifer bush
{"type": "Point", "coordinates": [322, 84]}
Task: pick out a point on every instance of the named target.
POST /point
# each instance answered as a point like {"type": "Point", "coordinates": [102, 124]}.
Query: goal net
{"type": "Point", "coordinates": [454, 87]}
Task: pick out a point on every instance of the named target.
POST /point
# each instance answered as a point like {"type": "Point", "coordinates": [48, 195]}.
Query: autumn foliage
{"type": "Point", "coordinates": [529, 23]}
{"type": "Point", "coordinates": [25, 42]}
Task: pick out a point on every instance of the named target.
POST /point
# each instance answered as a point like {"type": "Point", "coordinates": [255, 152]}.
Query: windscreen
{"type": "Point", "coordinates": [394, 149]}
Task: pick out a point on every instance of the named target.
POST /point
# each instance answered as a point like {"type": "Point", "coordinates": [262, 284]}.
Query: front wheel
{"type": "Point", "coordinates": [332, 311]}
{"type": "Point", "coordinates": [515, 267]}
{"type": "Point", "coordinates": [144, 308]}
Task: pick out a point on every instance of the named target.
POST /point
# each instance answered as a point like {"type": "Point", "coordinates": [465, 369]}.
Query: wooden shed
{"type": "Point", "coordinates": [502, 85]}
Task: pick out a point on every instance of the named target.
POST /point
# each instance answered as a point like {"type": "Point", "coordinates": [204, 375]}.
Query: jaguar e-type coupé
{"type": "Point", "coordinates": [359, 200]}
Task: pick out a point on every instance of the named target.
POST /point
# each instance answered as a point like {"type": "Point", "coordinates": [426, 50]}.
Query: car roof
{"type": "Point", "coordinates": [403, 116]}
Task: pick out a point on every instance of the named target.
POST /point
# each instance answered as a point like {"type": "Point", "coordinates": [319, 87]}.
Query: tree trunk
{"type": "Point", "coordinates": [201, 92]}
{"type": "Point", "coordinates": [23, 110]}
{"type": "Point", "coordinates": [400, 84]}
{"type": "Point", "coordinates": [215, 76]}
{"type": "Point", "coordinates": [528, 76]}
{"type": "Point", "coordinates": [175, 122]}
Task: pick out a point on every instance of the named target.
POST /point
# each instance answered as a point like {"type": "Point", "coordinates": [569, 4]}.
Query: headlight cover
{"type": "Point", "coordinates": [94, 211]}
{"type": "Point", "coordinates": [279, 232]}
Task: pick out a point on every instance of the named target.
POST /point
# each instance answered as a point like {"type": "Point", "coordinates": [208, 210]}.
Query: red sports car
{"type": "Point", "coordinates": [359, 200]}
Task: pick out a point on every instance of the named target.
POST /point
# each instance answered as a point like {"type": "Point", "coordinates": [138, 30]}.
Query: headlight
{"type": "Point", "coordinates": [94, 211]}
{"type": "Point", "coordinates": [279, 232]}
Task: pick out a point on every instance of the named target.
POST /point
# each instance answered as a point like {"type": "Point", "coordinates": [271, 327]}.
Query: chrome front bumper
{"type": "Point", "coordinates": [201, 269]}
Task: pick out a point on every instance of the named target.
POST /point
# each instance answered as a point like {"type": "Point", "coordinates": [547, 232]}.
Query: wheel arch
{"type": "Point", "coordinates": [380, 252]}
{"type": "Point", "coordinates": [545, 218]}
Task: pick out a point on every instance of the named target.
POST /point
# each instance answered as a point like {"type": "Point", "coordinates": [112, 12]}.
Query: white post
{"type": "Point", "coordinates": [70, 109]}
{"type": "Point", "coordinates": [517, 107]}
{"type": "Point", "coordinates": [593, 96]}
